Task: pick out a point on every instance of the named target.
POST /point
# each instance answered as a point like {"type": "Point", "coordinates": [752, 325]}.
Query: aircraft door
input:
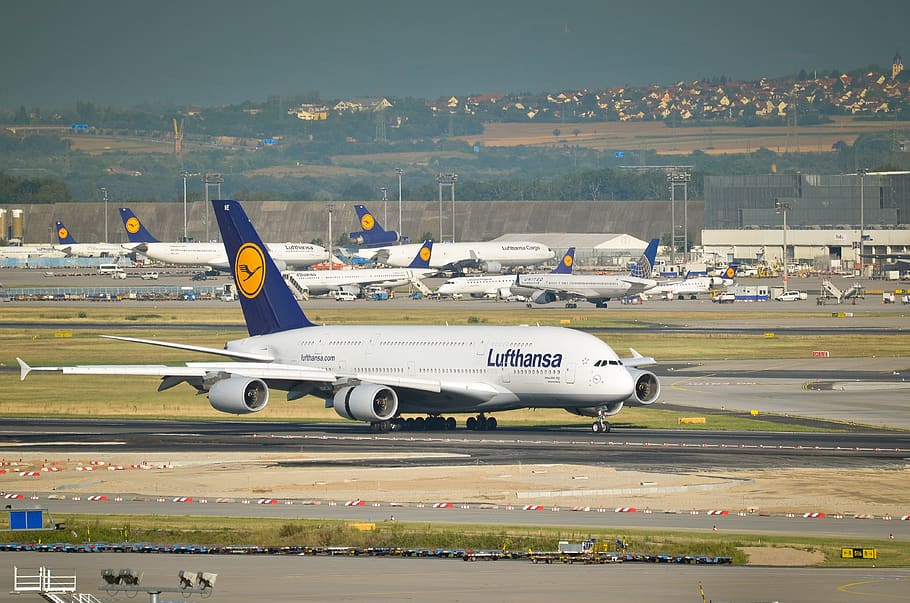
{"type": "Point", "coordinates": [569, 373]}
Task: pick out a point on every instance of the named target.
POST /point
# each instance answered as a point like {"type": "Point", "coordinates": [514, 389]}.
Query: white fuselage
{"type": "Point", "coordinates": [26, 251]}
{"type": "Point", "coordinates": [588, 286]}
{"type": "Point", "coordinates": [508, 254]}
{"type": "Point", "coordinates": [477, 286]}
{"type": "Point", "coordinates": [475, 369]}
{"type": "Point", "coordinates": [320, 282]}
{"type": "Point", "coordinates": [294, 255]}
{"type": "Point", "coordinates": [691, 286]}
{"type": "Point", "coordinates": [94, 250]}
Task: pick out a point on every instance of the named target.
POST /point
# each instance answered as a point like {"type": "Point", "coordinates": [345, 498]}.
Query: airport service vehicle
{"type": "Point", "coordinates": [286, 255]}
{"type": "Point", "coordinates": [792, 295]}
{"type": "Point", "coordinates": [344, 296]}
{"type": "Point", "coordinates": [150, 276]}
{"type": "Point", "coordinates": [724, 298]}
{"type": "Point", "coordinates": [595, 288]}
{"type": "Point", "coordinates": [379, 373]}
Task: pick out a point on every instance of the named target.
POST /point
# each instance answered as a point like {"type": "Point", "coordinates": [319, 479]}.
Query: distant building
{"type": "Point", "coordinates": [897, 66]}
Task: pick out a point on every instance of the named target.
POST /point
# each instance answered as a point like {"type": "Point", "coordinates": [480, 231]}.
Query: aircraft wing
{"type": "Point", "coordinates": [637, 360]}
{"type": "Point", "coordinates": [478, 391]}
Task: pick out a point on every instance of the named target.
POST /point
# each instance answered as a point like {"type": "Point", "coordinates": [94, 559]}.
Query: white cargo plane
{"type": "Point", "coordinates": [72, 248]}
{"type": "Point", "coordinates": [595, 288]}
{"type": "Point", "coordinates": [378, 373]}
{"type": "Point", "coordinates": [320, 282]}
{"type": "Point", "coordinates": [498, 285]}
{"type": "Point", "coordinates": [213, 255]}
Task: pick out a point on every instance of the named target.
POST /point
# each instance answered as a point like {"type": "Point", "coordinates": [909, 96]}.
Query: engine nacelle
{"type": "Point", "coordinates": [543, 297]}
{"type": "Point", "coordinates": [607, 410]}
{"type": "Point", "coordinates": [366, 402]}
{"type": "Point", "coordinates": [239, 395]}
{"type": "Point", "coordinates": [490, 266]}
{"type": "Point", "coordinates": [647, 387]}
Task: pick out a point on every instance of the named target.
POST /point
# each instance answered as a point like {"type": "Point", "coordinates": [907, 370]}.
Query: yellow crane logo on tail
{"type": "Point", "coordinates": [367, 222]}
{"type": "Point", "coordinates": [249, 270]}
{"type": "Point", "coordinates": [133, 225]}
{"type": "Point", "coordinates": [62, 233]}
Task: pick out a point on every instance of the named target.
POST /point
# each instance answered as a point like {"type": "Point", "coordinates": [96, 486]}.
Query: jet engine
{"type": "Point", "coordinates": [366, 402]}
{"type": "Point", "coordinates": [239, 395]}
{"type": "Point", "coordinates": [543, 297]}
{"type": "Point", "coordinates": [647, 387]}
{"type": "Point", "coordinates": [491, 267]}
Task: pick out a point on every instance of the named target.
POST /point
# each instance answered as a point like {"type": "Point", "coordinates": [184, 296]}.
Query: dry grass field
{"type": "Point", "coordinates": [671, 141]}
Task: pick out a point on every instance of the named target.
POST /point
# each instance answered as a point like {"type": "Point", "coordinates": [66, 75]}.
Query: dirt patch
{"type": "Point", "coordinates": [782, 556]}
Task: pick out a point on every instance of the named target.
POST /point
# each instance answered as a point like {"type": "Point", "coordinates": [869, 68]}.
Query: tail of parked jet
{"type": "Point", "coordinates": [422, 259]}
{"type": "Point", "coordinates": [63, 234]}
{"type": "Point", "coordinates": [135, 231]}
{"type": "Point", "coordinates": [645, 264]}
{"type": "Point", "coordinates": [373, 234]}
{"type": "Point", "coordinates": [566, 264]}
{"type": "Point", "coordinates": [268, 305]}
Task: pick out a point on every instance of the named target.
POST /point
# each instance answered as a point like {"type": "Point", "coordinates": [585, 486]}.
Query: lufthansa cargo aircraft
{"type": "Point", "coordinates": [286, 255]}
{"type": "Point", "coordinates": [373, 234]}
{"type": "Point", "coordinates": [379, 373]}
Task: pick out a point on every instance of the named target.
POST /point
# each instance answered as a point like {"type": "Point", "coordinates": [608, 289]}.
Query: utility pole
{"type": "Point", "coordinates": [399, 171]}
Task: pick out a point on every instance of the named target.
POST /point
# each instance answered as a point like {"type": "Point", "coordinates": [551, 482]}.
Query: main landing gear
{"type": "Point", "coordinates": [481, 423]}
{"type": "Point", "coordinates": [600, 426]}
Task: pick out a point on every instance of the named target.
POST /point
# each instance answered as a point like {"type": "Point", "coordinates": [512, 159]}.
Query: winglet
{"type": "Point", "coordinates": [24, 369]}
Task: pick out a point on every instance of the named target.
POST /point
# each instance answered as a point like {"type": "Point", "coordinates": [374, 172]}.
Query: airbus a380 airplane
{"type": "Point", "coordinates": [498, 284]}
{"type": "Point", "coordinates": [319, 282]}
{"type": "Point", "coordinates": [69, 246]}
{"type": "Point", "coordinates": [287, 255]}
{"type": "Point", "coordinates": [378, 373]}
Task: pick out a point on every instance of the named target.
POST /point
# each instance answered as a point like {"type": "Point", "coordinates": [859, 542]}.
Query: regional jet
{"type": "Point", "coordinates": [286, 255]}
{"type": "Point", "coordinates": [72, 248]}
{"type": "Point", "coordinates": [498, 285]}
{"type": "Point", "coordinates": [595, 288]}
{"type": "Point", "coordinates": [379, 373]}
{"type": "Point", "coordinates": [320, 282]}
{"type": "Point", "coordinates": [692, 287]}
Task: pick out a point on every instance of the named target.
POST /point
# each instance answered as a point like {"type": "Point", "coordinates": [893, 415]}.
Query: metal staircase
{"type": "Point", "coordinates": [58, 586]}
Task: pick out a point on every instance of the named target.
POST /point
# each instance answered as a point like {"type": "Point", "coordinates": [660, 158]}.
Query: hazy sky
{"type": "Point", "coordinates": [210, 52]}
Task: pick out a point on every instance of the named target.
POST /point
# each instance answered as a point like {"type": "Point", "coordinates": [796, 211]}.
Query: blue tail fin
{"type": "Point", "coordinates": [373, 234]}
{"type": "Point", "coordinates": [567, 263]}
{"type": "Point", "coordinates": [63, 234]}
{"type": "Point", "coordinates": [645, 264]}
{"type": "Point", "coordinates": [268, 305]}
{"type": "Point", "coordinates": [135, 231]}
{"type": "Point", "coordinates": [422, 259]}
{"type": "Point", "coordinates": [730, 271]}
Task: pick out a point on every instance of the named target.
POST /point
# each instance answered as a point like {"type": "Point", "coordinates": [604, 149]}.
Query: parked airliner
{"type": "Point", "coordinates": [373, 234]}
{"type": "Point", "coordinates": [692, 287]}
{"type": "Point", "coordinates": [378, 373]}
{"type": "Point", "coordinates": [213, 255]}
{"type": "Point", "coordinates": [72, 248]}
{"type": "Point", "coordinates": [595, 288]}
{"type": "Point", "coordinates": [320, 282]}
{"type": "Point", "coordinates": [498, 285]}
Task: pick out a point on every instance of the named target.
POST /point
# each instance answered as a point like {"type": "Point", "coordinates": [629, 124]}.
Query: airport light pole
{"type": "Point", "coordinates": [331, 210]}
{"type": "Point", "coordinates": [862, 217]}
{"type": "Point", "coordinates": [447, 179]}
{"type": "Point", "coordinates": [782, 208]}
{"type": "Point", "coordinates": [185, 174]}
{"type": "Point", "coordinates": [385, 205]}
{"type": "Point", "coordinates": [103, 192]}
{"type": "Point", "coordinates": [399, 171]}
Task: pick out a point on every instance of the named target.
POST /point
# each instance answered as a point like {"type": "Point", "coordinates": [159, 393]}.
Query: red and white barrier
{"type": "Point", "coordinates": [266, 501]}
{"type": "Point", "coordinates": [13, 496]}
{"type": "Point", "coordinates": [718, 512]}
{"type": "Point", "coordinates": [814, 515]}
{"type": "Point", "coordinates": [533, 508]}
{"type": "Point", "coordinates": [97, 498]}
{"type": "Point", "coordinates": [625, 510]}
{"type": "Point", "coordinates": [183, 499]}
{"type": "Point", "coordinates": [442, 505]}
{"type": "Point", "coordinates": [355, 503]}
{"type": "Point", "coordinates": [29, 474]}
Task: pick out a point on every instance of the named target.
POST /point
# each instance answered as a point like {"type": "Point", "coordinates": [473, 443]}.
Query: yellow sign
{"type": "Point", "coordinates": [364, 527]}
{"type": "Point", "coordinates": [367, 222]}
{"type": "Point", "coordinates": [690, 420]}
{"type": "Point", "coordinates": [249, 270]}
{"type": "Point", "coordinates": [850, 553]}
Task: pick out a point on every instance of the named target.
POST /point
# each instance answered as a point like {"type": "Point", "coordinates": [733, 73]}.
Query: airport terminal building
{"type": "Point", "coordinates": [826, 216]}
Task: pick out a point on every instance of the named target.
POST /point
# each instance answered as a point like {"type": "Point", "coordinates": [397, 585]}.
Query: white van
{"type": "Point", "coordinates": [109, 268]}
{"type": "Point", "coordinates": [344, 296]}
